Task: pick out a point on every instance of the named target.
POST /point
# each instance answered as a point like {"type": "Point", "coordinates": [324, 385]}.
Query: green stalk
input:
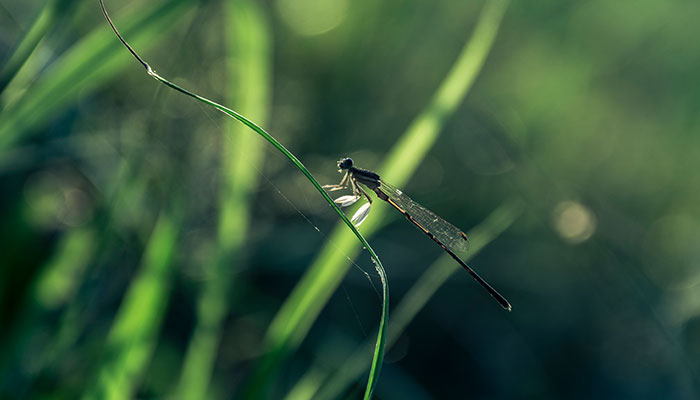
{"type": "Point", "coordinates": [300, 310]}
{"type": "Point", "coordinates": [248, 65]}
{"type": "Point", "coordinates": [30, 40]}
{"type": "Point", "coordinates": [55, 285]}
{"type": "Point", "coordinates": [381, 335]}
{"type": "Point", "coordinates": [132, 339]}
{"type": "Point", "coordinates": [64, 271]}
{"type": "Point", "coordinates": [79, 249]}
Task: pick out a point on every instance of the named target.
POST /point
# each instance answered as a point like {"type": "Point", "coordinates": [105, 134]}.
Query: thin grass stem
{"type": "Point", "coordinates": [381, 335]}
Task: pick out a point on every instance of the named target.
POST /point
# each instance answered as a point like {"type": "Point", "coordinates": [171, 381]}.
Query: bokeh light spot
{"type": "Point", "coordinates": [573, 221]}
{"type": "Point", "coordinates": [312, 17]}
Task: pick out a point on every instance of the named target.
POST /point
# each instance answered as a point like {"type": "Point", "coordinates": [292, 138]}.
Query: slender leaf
{"type": "Point", "coordinates": [133, 336]}
{"type": "Point", "coordinates": [381, 336]}
{"type": "Point", "coordinates": [46, 18]}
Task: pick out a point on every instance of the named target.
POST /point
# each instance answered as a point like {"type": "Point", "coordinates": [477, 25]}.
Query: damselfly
{"type": "Point", "coordinates": [449, 237]}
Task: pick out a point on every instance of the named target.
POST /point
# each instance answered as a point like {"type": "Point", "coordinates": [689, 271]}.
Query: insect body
{"type": "Point", "coordinates": [446, 235]}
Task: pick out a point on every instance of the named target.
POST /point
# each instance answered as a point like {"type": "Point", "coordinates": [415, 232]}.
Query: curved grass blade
{"type": "Point", "coordinates": [381, 335]}
{"type": "Point", "coordinates": [302, 307]}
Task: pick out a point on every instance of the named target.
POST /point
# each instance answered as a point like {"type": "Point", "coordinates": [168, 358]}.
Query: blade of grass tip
{"type": "Point", "coordinates": [301, 308]}
{"type": "Point", "coordinates": [248, 65]}
{"type": "Point", "coordinates": [85, 66]}
{"type": "Point", "coordinates": [133, 335]}
{"type": "Point", "coordinates": [378, 356]}
{"type": "Point", "coordinates": [253, 126]}
{"type": "Point", "coordinates": [416, 298]}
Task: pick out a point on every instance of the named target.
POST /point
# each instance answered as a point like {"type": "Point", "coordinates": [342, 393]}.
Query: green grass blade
{"type": "Point", "coordinates": [380, 342]}
{"type": "Point", "coordinates": [406, 155]}
{"type": "Point", "coordinates": [381, 336]}
{"type": "Point", "coordinates": [57, 286]}
{"type": "Point", "coordinates": [249, 69]}
{"type": "Point", "coordinates": [45, 19]}
{"type": "Point", "coordinates": [54, 287]}
{"type": "Point", "coordinates": [300, 310]}
{"type": "Point", "coordinates": [133, 336]}
{"type": "Point", "coordinates": [65, 270]}
{"type": "Point", "coordinates": [87, 65]}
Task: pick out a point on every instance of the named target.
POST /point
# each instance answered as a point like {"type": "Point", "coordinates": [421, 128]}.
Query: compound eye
{"type": "Point", "coordinates": [345, 163]}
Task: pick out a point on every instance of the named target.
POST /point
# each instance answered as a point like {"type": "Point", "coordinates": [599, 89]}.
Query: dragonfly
{"type": "Point", "coordinates": [447, 236]}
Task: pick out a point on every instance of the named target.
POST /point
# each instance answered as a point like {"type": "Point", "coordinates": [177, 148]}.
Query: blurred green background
{"type": "Point", "coordinates": [151, 247]}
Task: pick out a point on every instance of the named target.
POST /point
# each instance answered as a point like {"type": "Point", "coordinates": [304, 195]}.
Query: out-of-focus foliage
{"type": "Point", "coordinates": [116, 266]}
